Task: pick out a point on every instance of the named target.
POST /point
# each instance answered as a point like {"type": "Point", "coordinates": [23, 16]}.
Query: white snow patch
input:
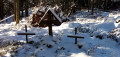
{"type": "Point", "coordinates": [82, 54]}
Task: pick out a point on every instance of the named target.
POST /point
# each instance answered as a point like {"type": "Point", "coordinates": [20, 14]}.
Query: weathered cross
{"type": "Point", "coordinates": [26, 33]}
{"type": "Point", "coordinates": [75, 36]}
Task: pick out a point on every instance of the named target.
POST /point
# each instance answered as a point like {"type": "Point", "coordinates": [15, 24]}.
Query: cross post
{"type": "Point", "coordinates": [50, 24]}
{"type": "Point", "coordinates": [75, 34]}
{"type": "Point", "coordinates": [26, 33]}
{"type": "Point", "coordinates": [71, 36]}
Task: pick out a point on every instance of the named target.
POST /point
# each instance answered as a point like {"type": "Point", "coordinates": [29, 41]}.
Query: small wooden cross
{"type": "Point", "coordinates": [26, 33]}
{"type": "Point", "coordinates": [72, 36]}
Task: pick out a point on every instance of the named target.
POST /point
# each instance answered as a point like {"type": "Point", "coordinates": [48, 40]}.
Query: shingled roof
{"type": "Point", "coordinates": [44, 20]}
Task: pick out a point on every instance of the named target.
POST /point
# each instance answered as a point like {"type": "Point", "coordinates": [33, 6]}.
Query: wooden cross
{"type": "Point", "coordinates": [48, 18]}
{"type": "Point", "coordinates": [26, 33]}
{"type": "Point", "coordinates": [72, 36]}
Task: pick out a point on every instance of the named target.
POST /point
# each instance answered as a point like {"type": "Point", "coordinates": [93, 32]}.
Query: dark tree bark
{"type": "Point", "coordinates": [14, 19]}
{"type": "Point", "coordinates": [89, 5]}
{"type": "Point", "coordinates": [98, 4]}
{"type": "Point", "coordinates": [74, 6]}
{"type": "Point", "coordinates": [1, 9]}
{"type": "Point", "coordinates": [26, 8]}
{"type": "Point", "coordinates": [22, 8]}
{"type": "Point", "coordinates": [92, 6]}
{"type": "Point", "coordinates": [79, 4]}
{"type": "Point", "coordinates": [105, 5]}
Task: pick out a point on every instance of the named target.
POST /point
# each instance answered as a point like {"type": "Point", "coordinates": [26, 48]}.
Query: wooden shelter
{"type": "Point", "coordinates": [43, 19]}
{"type": "Point", "coordinates": [49, 19]}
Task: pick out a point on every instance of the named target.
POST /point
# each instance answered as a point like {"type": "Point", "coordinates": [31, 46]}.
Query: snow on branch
{"type": "Point", "coordinates": [6, 18]}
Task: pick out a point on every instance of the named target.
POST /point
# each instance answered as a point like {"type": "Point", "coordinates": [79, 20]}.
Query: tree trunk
{"type": "Point", "coordinates": [92, 6]}
{"type": "Point", "coordinates": [26, 8]}
{"type": "Point", "coordinates": [22, 8]}
{"type": "Point", "coordinates": [1, 9]}
{"type": "Point", "coordinates": [89, 5]}
{"type": "Point", "coordinates": [79, 4]}
{"type": "Point", "coordinates": [57, 1]}
{"type": "Point", "coordinates": [14, 19]}
{"type": "Point", "coordinates": [105, 5]}
{"type": "Point", "coordinates": [17, 11]}
{"type": "Point", "coordinates": [98, 4]}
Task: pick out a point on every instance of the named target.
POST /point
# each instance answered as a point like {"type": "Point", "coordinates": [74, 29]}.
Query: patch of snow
{"type": "Point", "coordinates": [107, 26]}
{"type": "Point", "coordinates": [82, 54]}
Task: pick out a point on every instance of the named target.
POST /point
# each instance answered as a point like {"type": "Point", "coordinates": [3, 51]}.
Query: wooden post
{"type": "Point", "coordinates": [26, 31]}
{"type": "Point", "coordinates": [75, 34]}
{"type": "Point", "coordinates": [50, 24]}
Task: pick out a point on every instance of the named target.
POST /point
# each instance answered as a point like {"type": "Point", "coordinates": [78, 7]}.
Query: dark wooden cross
{"type": "Point", "coordinates": [26, 33]}
{"type": "Point", "coordinates": [51, 19]}
{"type": "Point", "coordinates": [51, 14]}
{"type": "Point", "coordinates": [74, 36]}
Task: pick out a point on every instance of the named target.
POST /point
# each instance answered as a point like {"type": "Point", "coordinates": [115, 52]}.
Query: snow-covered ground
{"type": "Point", "coordinates": [100, 31]}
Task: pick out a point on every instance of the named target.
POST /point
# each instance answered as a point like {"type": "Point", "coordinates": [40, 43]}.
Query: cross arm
{"type": "Point", "coordinates": [26, 33]}
{"type": "Point", "coordinates": [75, 36]}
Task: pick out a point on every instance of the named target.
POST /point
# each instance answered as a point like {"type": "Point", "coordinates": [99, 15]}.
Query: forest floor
{"type": "Point", "coordinates": [101, 33]}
